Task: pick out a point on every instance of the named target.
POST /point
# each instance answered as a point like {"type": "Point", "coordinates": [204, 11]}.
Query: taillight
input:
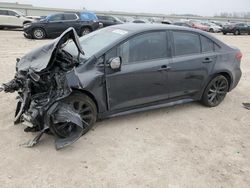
{"type": "Point", "coordinates": [239, 56]}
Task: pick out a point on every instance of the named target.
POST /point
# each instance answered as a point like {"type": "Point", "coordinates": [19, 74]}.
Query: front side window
{"type": "Point", "coordinates": [148, 46]}
{"type": "Point", "coordinates": [57, 17]}
{"type": "Point", "coordinates": [207, 44]}
{"type": "Point", "coordinates": [186, 43]}
{"type": "Point", "coordinates": [69, 17]}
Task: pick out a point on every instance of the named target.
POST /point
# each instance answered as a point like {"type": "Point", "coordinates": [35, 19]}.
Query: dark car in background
{"type": "Point", "coordinates": [54, 25]}
{"type": "Point", "coordinates": [108, 20]}
{"type": "Point", "coordinates": [236, 29]}
{"type": "Point", "coordinates": [184, 24]}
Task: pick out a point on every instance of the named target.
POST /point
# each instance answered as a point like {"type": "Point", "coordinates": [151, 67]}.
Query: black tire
{"type": "Point", "coordinates": [224, 33]}
{"type": "Point", "coordinates": [85, 31]}
{"type": "Point", "coordinates": [237, 32]}
{"type": "Point", "coordinates": [85, 106]}
{"type": "Point", "coordinates": [211, 30]}
{"type": "Point", "coordinates": [215, 91]}
{"type": "Point", "coordinates": [38, 33]}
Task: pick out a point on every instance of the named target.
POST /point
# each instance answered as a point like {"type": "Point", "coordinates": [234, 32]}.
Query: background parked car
{"type": "Point", "coordinates": [109, 20]}
{"type": "Point", "coordinates": [236, 29]}
{"type": "Point", "coordinates": [184, 24]}
{"type": "Point", "coordinates": [213, 28]}
{"type": "Point", "coordinates": [13, 19]}
{"type": "Point", "coordinates": [198, 25]}
{"type": "Point", "coordinates": [54, 25]}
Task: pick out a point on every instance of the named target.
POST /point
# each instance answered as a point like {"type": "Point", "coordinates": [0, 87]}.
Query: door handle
{"type": "Point", "coordinates": [207, 60]}
{"type": "Point", "coordinates": [164, 68]}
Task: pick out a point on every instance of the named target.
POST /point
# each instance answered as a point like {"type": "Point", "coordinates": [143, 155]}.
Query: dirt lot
{"type": "Point", "coordinates": [183, 146]}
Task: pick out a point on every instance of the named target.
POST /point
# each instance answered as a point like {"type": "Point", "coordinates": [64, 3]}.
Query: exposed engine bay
{"type": "Point", "coordinates": [41, 84]}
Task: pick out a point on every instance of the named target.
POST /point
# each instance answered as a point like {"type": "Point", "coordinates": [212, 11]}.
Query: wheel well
{"type": "Point", "coordinates": [86, 27]}
{"type": "Point", "coordinates": [227, 76]}
{"type": "Point", "coordinates": [25, 22]}
{"type": "Point", "coordinates": [90, 95]}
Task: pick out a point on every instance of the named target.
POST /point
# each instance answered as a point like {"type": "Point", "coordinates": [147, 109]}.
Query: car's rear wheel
{"type": "Point", "coordinates": [38, 33]}
{"type": "Point", "coordinates": [86, 108]}
{"type": "Point", "coordinates": [85, 31]}
{"type": "Point", "coordinates": [224, 33]}
{"type": "Point", "coordinates": [215, 91]}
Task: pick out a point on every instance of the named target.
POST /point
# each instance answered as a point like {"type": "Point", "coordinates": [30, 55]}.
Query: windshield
{"type": "Point", "coordinates": [96, 41]}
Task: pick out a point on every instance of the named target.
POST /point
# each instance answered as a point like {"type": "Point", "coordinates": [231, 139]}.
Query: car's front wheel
{"type": "Point", "coordinates": [85, 107]}
{"type": "Point", "coordinates": [215, 91]}
{"type": "Point", "coordinates": [38, 33]}
{"type": "Point", "coordinates": [237, 32]}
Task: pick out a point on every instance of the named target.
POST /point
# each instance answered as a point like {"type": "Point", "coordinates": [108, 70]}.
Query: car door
{"type": "Point", "coordinates": [142, 78]}
{"type": "Point", "coordinates": [193, 60]}
{"type": "Point", "coordinates": [55, 25]}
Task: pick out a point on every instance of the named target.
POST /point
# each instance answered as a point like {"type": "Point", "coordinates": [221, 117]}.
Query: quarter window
{"type": "Point", "coordinates": [144, 47]}
{"type": "Point", "coordinates": [186, 43]}
{"type": "Point", "coordinates": [207, 44]}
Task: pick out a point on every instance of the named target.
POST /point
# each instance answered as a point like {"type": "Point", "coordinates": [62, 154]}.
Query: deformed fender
{"type": "Point", "coordinates": [61, 118]}
{"type": "Point", "coordinates": [40, 58]}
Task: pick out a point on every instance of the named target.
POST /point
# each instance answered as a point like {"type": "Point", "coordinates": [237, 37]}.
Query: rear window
{"type": "Point", "coordinates": [88, 16]}
{"type": "Point", "coordinates": [186, 43]}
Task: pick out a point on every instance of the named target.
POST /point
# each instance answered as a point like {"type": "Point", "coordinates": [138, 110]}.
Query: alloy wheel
{"type": "Point", "coordinates": [217, 90]}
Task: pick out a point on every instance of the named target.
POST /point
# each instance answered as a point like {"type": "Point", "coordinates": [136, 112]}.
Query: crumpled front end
{"type": "Point", "coordinates": [41, 84]}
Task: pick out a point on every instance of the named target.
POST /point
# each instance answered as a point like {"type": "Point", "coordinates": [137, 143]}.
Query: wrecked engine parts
{"type": "Point", "coordinates": [41, 84]}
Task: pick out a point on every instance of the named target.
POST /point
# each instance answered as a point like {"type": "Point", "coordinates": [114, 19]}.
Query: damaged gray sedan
{"type": "Point", "coordinates": [65, 86]}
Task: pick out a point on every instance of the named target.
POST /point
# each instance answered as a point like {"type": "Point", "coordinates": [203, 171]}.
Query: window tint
{"type": "Point", "coordinates": [186, 43]}
{"type": "Point", "coordinates": [207, 44]}
{"type": "Point", "coordinates": [70, 17]}
{"type": "Point", "coordinates": [3, 12]}
{"type": "Point", "coordinates": [11, 13]}
{"type": "Point", "coordinates": [144, 47]}
{"type": "Point", "coordinates": [56, 17]}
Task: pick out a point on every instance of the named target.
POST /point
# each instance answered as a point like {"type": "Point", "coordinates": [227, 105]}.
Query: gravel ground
{"type": "Point", "coordinates": [183, 146]}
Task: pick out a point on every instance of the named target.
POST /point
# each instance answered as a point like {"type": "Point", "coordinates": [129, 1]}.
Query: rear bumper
{"type": "Point", "coordinates": [236, 79]}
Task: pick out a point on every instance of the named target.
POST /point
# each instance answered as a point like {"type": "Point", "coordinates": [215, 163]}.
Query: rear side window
{"type": "Point", "coordinates": [186, 43]}
{"type": "Point", "coordinates": [144, 47]}
{"type": "Point", "coordinates": [70, 17]}
{"type": "Point", "coordinates": [207, 44]}
{"type": "Point", "coordinates": [4, 12]}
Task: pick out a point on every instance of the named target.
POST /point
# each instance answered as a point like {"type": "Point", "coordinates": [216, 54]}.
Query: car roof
{"type": "Point", "coordinates": [134, 28]}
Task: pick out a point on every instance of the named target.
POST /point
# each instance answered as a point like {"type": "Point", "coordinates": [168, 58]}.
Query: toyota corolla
{"type": "Point", "coordinates": [67, 85]}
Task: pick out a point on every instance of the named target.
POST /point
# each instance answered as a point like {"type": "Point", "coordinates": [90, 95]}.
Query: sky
{"type": "Point", "coordinates": [198, 7]}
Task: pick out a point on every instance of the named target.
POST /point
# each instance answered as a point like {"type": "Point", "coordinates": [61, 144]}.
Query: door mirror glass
{"type": "Point", "coordinates": [115, 63]}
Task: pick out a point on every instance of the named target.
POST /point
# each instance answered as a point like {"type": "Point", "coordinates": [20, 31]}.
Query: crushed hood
{"type": "Point", "coordinates": [40, 58]}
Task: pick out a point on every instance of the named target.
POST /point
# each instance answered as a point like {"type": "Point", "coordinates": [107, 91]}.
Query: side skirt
{"type": "Point", "coordinates": [141, 109]}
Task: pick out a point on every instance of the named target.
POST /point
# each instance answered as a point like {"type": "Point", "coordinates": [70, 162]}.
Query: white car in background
{"type": "Point", "coordinates": [213, 28]}
{"type": "Point", "coordinates": [13, 19]}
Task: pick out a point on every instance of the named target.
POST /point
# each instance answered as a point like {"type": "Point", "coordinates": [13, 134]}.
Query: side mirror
{"type": "Point", "coordinates": [115, 63]}
{"type": "Point", "coordinates": [17, 15]}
